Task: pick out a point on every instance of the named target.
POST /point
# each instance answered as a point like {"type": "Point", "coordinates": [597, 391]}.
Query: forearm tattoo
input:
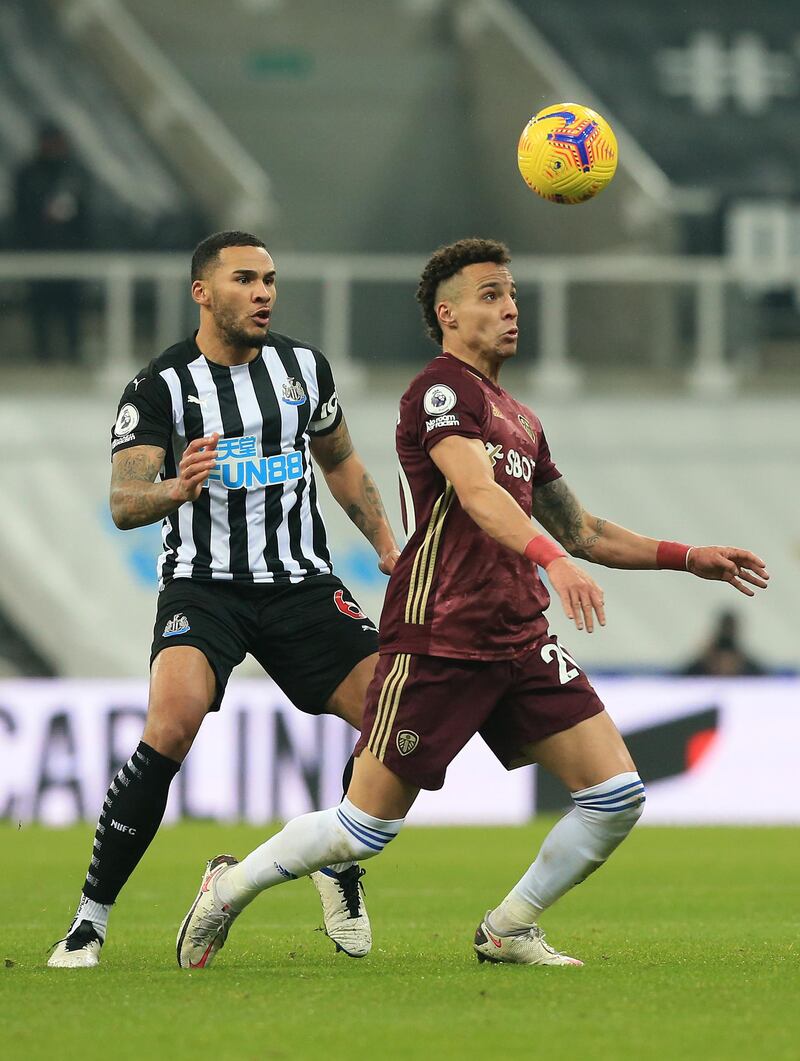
{"type": "Point", "coordinates": [561, 513]}
{"type": "Point", "coordinates": [359, 497]}
{"type": "Point", "coordinates": [368, 512]}
{"type": "Point", "coordinates": [136, 500]}
{"type": "Point", "coordinates": [334, 448]}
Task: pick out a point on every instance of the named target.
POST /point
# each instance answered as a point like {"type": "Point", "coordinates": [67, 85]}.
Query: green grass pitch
{"type": "Point", "coordinates": [690, 938]}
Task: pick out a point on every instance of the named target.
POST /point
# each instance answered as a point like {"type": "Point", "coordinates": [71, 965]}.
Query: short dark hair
{"type": "Point", "coordinates": [207, 251]}
{"type": "Point", "coordinates": [446, 262]}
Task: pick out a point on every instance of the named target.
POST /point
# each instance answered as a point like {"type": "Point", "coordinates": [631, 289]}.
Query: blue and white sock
{"type": "Point", "coordinates": [342, 834]}
{"type": "Point", "coordinates": [575, 847]}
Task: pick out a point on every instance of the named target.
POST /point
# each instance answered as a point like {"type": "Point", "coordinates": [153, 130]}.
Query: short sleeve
{"type": "Point", "coordinates": [545, 471]}
{"type": "Point", "coordinates": [328, 414]}
{"type": "Point", "coordinates": [144, 414]}
{"type": "Point", "coordinates": [444, 403]}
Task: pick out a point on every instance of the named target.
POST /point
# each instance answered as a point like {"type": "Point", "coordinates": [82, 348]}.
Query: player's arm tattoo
{"type": "Point", "coordinates": [561, 513]}
{"type": "Point", "coordinates": [332, 449]}
{"type": "Point", "coordinates": [367, 511]}
{"type": "Point", "coordinates": [136, 499]}
{"type": "Point", "coordinates": [352, 485]}
{"type": "Point", "coordinates": [141, 463]}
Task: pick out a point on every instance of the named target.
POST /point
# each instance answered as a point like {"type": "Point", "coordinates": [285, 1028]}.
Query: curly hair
{"type": "Point", "coordinates": [206, 253]}
{"type": "Point", "coordinates": [446, 262]}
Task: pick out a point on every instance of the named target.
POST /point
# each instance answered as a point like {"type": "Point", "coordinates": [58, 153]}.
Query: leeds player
{"type": "Point", "coordinates": [226, 421]}
{"type": "Point", "coordinates": [465, 646]}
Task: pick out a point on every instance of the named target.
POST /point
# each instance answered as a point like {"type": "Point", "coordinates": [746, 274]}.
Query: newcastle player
{"type": "Point", "coordinates": [215, 438]}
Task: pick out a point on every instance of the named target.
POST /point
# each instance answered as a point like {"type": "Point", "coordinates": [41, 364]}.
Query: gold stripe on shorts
{"type": "Point", "coordinates": [388, 702]}
{"type": "Point", "coordinates": [425, 560]}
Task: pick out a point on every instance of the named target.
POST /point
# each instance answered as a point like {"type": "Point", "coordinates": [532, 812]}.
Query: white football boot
{"type": "Point", "coordinates": [80, 948]}
{"type": "Point", "coordinates": [344, 910]}
{"type": "Point", "coordinates": [205, 928]}
{"type": "Point", "coordinates": [529, 948]}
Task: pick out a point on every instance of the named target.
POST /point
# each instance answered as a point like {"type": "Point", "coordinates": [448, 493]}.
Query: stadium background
{"type": "Point", "coordinates": [660, 342]}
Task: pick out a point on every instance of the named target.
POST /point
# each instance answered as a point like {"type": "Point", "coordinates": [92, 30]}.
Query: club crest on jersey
{"type": "Point", "coordinates": [527, 426]}
{"type": "Point", "coordinates": [178, 624]}
{"type": "Point", "coordinates": [127, 420]}
{"type": "Point", "coordinates": [496, 412]}
{"type": "Point", "coordinates": [292, 392]}
{"type": "Point", "coordinates": [406, 741]}
{"type": "Point", "coordinates": [347, 607]}
{"type": "Point", "coordinates": [439, 399]}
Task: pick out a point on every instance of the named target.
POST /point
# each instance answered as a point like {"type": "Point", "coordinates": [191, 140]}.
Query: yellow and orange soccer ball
{"type": "Point", "coordinates": [567, 153]}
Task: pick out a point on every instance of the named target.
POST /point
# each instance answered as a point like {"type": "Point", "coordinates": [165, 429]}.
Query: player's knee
{"type": "Point", "coordinates": [614, 806]}
{"type": "Point", "coordinates": [350, 849]}
{"type": "Point", "coordinates": [172, 735]}
{"type": "Point", "coordinates": [354, 848]}
{"type": "Point", "coordinates": [174, 717]}
{"type": "Point", "coordinates": [634, 812]}
{"type": "Point", "coordinates": [624, 818]}
{"type": "Point", "coordinates": [359, 835]}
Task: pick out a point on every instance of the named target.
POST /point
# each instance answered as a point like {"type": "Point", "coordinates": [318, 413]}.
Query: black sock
{"type": "Point", "coordinates": [132, 812]}
{"type": "Point", "coordinates": [347, 774]}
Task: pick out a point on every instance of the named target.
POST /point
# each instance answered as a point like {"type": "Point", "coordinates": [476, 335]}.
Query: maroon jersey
{"type": "Point", "coordinates": [455, 591]}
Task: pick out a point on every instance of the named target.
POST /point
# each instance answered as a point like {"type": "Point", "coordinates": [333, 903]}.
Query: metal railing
{"type": "Point", "coordinates": [118, 275]}
{"type": "Point", "coordinates": [223, 175]}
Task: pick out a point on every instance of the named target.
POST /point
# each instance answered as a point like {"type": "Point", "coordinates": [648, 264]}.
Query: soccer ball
{"type": "Point", "coordinates": [567, 153]}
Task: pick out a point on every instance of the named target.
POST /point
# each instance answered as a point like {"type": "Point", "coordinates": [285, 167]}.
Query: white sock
{"type": "Point", "coordinates": [340, 867]}
{"type": "Point", "coordinates": [339, 835]}
{"type": "Point", "coordinates": [576, 846]}
{"type": "Point", "coordinates": [97, 913]}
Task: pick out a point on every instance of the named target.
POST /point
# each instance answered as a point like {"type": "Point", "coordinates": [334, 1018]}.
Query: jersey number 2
{"type": "Point", "coordinates": [565, 672]}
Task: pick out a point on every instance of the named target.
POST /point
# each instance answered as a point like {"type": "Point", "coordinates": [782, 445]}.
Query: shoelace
{"type": "Point", "coordinates": [213, 923]}
{"type": "Point", "coordinates": [537, 934]}
{"type": "Point", "coordinates": [349, 885]}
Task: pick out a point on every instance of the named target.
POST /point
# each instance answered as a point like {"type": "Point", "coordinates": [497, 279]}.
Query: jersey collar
{"type": "Point", "coordinates": [471, 368]}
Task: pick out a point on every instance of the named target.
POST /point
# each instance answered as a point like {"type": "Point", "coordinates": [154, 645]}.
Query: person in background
{"type": "Point", "coordinates": [52, 190]}
{"type": "Point", "coordinates": [724, 656]}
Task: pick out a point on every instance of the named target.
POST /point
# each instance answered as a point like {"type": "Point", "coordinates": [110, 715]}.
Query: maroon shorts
{"type": "Point", "coordinates": [421, 710]}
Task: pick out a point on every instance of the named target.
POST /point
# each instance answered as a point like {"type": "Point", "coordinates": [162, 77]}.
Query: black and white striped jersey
{"type": "Point", "coordinates": [258, 519]}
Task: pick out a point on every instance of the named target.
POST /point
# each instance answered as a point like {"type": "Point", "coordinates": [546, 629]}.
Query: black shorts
{"type": "Point", "coordinates": [306, 635]}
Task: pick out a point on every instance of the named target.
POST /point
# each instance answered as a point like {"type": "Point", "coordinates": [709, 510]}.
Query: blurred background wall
{"type": "Point", "coordinates": [660, 323]}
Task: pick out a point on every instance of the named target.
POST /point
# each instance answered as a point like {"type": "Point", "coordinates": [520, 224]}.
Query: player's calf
{"type": "Point", "coordinates": [129, 819]}
{"type": "Point", "coordinates": [574, 848]}
{"type": "Point", "coordinates": [305, 844]}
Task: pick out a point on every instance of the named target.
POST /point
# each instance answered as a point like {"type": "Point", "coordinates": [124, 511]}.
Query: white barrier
{"type": "Point", "coordinates": [122, 276]}
{"type": "Point", "coordinates": [710, 750]}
